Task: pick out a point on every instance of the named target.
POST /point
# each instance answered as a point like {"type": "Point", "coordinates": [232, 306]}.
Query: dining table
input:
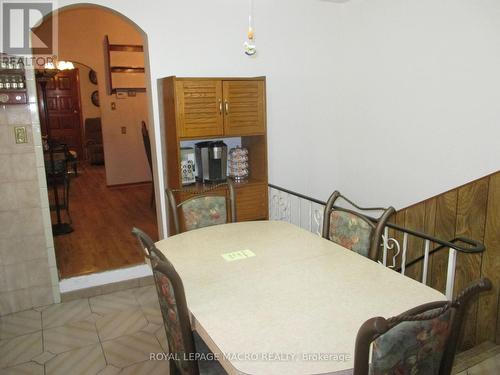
{"type": "Point", "coordinates": [269, 297]}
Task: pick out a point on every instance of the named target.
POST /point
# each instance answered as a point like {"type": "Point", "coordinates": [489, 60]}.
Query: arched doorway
{"type": "Point", "coordinates": [105, 202]}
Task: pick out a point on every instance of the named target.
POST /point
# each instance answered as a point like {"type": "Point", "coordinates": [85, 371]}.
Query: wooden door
{"type": "Point", "coordinates": [199, 108]}
{"type": "Point", "coordinates": [244, 108]}
{"type": "Point", "coordinates": [63, 103]}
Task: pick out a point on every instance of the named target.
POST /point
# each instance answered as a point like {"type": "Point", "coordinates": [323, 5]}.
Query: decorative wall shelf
{"type": "Point", "coordinates": [124, 67]}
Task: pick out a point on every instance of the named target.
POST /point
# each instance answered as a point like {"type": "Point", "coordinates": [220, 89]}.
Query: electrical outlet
{"type": "Point", "coordinates": [20, 134]}
{"type": "Point", "coordinates": [113, 106]}
{"type": "Point", "coordinates": [124, 130]}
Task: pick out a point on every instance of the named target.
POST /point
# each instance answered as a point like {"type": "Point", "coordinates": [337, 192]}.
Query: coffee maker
{"type": "Point", "coordinates": [211, 161]}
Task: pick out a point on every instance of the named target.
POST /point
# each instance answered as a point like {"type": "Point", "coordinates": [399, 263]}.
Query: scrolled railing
{"type": "Point", "coordinates": [306, 212]}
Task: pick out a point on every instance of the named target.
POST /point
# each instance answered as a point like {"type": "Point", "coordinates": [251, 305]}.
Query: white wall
{"type": "Point", "coordinates": [390, 101]}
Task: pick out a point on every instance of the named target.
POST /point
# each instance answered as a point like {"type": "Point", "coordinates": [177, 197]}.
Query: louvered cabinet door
{"type": "Point", "coordinates": [244, 108]}
{"type": "Point", "coordinates": [199, 108]}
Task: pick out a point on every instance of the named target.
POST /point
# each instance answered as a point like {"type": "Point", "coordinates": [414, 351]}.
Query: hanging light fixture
{"type": "Point", "coordinates": [250, 48]}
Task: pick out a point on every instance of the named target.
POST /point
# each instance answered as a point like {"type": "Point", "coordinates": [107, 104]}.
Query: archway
{"type": "Point", "coordinates": [82, 31]}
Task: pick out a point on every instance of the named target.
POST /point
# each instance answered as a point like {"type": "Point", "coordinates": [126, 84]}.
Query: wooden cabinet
{"type": "Point", "coordinates": [219, 107]}
{"type": "Point", "coordinates": [198, 109]}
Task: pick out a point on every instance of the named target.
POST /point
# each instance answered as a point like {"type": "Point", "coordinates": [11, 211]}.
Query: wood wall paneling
{"type": "Point", "coordinates": [471, 214]}
{"type": "Point", "coordinates": [444, 228]}
{"type": "Point", "coordinates": [472, 211]}
{"type": "Point", "coordinates": [488, 328]}
{"type": "Point", "coordinates": [415, 219]}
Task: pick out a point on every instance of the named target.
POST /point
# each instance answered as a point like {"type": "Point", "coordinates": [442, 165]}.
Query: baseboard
{"type": "Point", "coordinates": [105, 282]}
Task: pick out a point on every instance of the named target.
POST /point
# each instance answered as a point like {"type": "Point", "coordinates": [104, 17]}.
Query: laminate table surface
{"type": "Point", "coordinates": [294, 307]}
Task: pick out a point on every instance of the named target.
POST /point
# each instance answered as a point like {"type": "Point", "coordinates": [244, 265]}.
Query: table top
{"type": "Point", "coordinates": [293, 304]}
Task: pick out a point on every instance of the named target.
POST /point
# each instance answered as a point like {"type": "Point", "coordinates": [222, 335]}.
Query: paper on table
{"type": "Point", "coordinates": [238, 255]}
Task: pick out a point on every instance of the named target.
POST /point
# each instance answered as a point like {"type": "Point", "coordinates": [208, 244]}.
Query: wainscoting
{"type": "Point", "coordinates": [471, 210]}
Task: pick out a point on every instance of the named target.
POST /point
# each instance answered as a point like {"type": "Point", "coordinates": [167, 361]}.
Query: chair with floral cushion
{"type": "Point", "coordinates": [352, 229]}
{"type": "Point", "coordinates": [182, 342]}
{"type": "Point", "coordinates": [203, 208]}
{"type": "Point", "coordinates": [421, 341]}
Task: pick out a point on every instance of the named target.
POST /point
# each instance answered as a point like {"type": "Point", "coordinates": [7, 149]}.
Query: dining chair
{"type": "Point", "coordinates": [353, 229]}
{"type": "Point", "coordinates": [56, 160]}
{"type": "Point", "coordinates": [184, 345]}
{"type": "Point", "coordinates": [422, 340]}
{"type": "Point", "coordinates": [93, 141]}
{"type": "Point", "coordinates": [205, 207]}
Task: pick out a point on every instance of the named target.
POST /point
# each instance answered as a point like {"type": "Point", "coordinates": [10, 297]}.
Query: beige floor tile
{"type": "Point", "coordinates": [161, 335]}
{"type": "Point", "coordinates": [151, 328]}
{"type": "Point", "coordinates": [114, 302]}
{"type": "Point", "coordinates": [44, 357]}
{"type": "Point", "coordinates": [147, 368]}
{"type": "Point", "coordinates": [127, 350]}
{"type": "Point", "coordinates": [71, 336]}
{"type": "Point", "coordinates": [20, 349]}
{"type": "Point", "coordinates": [29, 368]}
{"type": "Point", "coordinates": [146, 295]}
{"type": "Point", "coordinates": [83, 361]}
{"type": "Point", "coordinates": [64, 313]}
{"type": "Point", "coordinates": [152, 313]}
{"type": "Point", "coordinates": [20, 323]}
{"type": "Point", "coordinates": [127, 322]}
{"type": "Point", "coordinates": [489, 366]}
{"type": "Point", "coordinates": [109, 370]}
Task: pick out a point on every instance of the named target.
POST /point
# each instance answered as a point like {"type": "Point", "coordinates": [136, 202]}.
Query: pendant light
{"type": "Point", "coordinates": [250, 48]}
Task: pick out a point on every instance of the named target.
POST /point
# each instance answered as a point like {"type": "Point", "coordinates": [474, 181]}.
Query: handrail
{"type": "Point", "coordinates": [398, 243]}
{"type": "Point", "coordinates": [477, 247]}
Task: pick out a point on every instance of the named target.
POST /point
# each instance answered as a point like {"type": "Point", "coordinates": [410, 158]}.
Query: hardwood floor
{"type": "Point", "coordinates": [102, 220]}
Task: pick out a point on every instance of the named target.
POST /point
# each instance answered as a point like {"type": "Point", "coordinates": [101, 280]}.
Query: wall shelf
{"type": "Point", "coordinates": [122, 77]}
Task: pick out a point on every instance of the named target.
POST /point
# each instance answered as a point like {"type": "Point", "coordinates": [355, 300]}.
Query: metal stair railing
{"type": "Point", "coordinates": [307, 213]}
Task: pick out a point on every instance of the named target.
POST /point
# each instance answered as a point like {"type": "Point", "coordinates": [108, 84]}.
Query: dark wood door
{"type": "Point", "coordinates": [63, 103]}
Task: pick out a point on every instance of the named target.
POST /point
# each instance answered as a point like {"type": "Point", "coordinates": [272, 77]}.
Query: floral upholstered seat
{"type": "Point", "coordinates": [355, 228]}
{"type": "Point", "coordinates": [204, 211]}
{"type": "Point", "coordinates": [420, 341]}
{"type": "Point", "coordinates": [412, 347]}
{"type": "Point", "coordinates": [210, 205]}
{"type": "Point", "coordinates": [182, 343]}
{"type": "Point", "coordinates": [350, 231]}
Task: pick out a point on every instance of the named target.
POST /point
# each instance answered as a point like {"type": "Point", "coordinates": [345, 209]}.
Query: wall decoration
{"type": "Point", "coordinates": [93, 76]}
{"type": "Point", "coordinates": [249, 45]}
{"type": "Point", "coordinates": [95, 98]}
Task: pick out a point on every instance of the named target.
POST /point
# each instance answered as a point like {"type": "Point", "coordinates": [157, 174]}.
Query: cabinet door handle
{"type": "Point", "coordinates": [220, 106]}
{"type": "Point", "coordinates": [226, 105]}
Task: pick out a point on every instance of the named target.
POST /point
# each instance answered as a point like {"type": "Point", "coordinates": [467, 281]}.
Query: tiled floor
{"type": "Point", "coordinates": [115, 333]}
{"type": "Point", "coordinates": [482, 359]}
{"type": "Point", "coordinates": [108, 334]}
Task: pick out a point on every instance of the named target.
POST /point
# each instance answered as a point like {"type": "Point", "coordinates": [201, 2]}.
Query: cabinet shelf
{"type": "Point", "coordinates": [12, 71]}
{"type": "Point", "coordinates": [200, 186]}
{"type": "Point", "coordinates": [13, 90]}
{"type": "Point", "coordinates": [126, 69]}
